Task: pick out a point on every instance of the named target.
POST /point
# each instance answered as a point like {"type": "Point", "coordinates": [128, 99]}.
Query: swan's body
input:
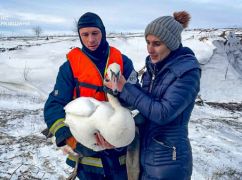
{"type": "Point", "coordinates": [114, 122]}
{"type": "Point", "coordinates": [85, 116]}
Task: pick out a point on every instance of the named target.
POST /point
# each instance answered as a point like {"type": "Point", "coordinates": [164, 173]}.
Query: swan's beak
{"type": "Point", "coordinates": [114, 82]}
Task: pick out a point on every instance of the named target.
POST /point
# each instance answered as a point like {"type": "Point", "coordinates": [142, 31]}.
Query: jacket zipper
{"type": "Point", "coordinates": [152, 82]}
{"type": "Point", "coordinates": [106, 97]}
{"type": "Point", "coordinates": [173, 148]}
{"type": "Point", "coordinates": [152, 79]}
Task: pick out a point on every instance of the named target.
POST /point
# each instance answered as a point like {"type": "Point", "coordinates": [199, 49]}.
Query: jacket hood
{"type": "Point", "coordinates": [90, 19]}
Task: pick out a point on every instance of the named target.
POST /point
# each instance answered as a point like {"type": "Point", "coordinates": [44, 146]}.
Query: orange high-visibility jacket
{"type": "Point", "coordinates": [90, 80]}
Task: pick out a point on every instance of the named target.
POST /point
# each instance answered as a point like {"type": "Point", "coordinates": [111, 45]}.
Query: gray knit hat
{"type": "Point", "coordinates": [168, 29]}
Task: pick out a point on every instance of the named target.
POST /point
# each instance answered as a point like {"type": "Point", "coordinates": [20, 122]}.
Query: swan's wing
{"type": "Point", "coordinates": [82, 106]}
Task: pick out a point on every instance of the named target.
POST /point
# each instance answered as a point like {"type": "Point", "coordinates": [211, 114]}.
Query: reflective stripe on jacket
{"type": "Point", "coordinates": [96, 163]}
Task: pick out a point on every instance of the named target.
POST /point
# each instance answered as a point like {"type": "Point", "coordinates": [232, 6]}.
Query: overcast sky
{"type": "Point", "coordinates": [19, 16]}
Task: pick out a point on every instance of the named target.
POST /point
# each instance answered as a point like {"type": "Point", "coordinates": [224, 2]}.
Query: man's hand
{"type": "Point", "coordinates": [68, 150]}
{"type": "Point", "coordinates": [102, 142]}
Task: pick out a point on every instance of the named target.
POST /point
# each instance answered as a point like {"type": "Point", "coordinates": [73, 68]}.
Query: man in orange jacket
{"type": "Point", "coordinates": [82, 75]}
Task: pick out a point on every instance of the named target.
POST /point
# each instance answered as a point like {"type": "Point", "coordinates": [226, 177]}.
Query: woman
{"type": "Point", "coordinates": [166, 99]}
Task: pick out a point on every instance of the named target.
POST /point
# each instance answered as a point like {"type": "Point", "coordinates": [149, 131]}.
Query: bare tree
{"type": "Point", "coordinates": [26, 72]}
{"type": "Point", "coordinates": [37, 30]}
{"type": "Point", "coordinates": [75, 23]}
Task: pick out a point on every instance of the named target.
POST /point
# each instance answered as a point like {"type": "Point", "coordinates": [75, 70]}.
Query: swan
{"type": "Point", "coordinates": [86, 116]}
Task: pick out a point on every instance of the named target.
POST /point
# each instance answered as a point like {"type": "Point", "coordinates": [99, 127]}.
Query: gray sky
{"type": "Point", "coordinates": [19, 16]}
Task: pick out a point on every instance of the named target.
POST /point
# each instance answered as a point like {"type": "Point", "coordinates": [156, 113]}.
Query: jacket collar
{"type": "Point", "coordinates": [175, 57]}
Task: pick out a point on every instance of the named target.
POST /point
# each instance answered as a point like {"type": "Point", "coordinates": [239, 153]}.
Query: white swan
{"type": "Point", "coordinates": [85, 116]}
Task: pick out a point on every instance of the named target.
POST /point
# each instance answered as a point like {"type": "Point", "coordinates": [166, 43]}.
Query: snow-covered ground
{"type": "Point", "coordinates": [28, 68]}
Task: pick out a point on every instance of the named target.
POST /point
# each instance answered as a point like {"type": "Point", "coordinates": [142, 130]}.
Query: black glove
{"type": "Point", "coordinates": [139, 119]}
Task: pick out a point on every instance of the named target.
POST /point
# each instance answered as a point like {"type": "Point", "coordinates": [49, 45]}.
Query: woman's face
{"type": "Point", "coordinates": [156, 48]}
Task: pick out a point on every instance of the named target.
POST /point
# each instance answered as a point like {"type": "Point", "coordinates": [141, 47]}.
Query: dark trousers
{"type": "Point", "coordinates": [146, 177]}
{"type": "Point", "coordinates": [116, 175]}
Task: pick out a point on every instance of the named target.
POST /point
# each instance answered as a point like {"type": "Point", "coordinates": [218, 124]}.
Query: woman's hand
{"type": "Point", "coordinates": [102, 142]}
{"type": "Point", "coordinates": [120, 83]}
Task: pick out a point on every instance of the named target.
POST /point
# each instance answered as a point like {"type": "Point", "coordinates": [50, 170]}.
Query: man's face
{"type": "Point", "coordinates": [91, 37]}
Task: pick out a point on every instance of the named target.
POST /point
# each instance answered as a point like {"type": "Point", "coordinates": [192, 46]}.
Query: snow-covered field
{"type": "Point", "coordinates": [28, 68]}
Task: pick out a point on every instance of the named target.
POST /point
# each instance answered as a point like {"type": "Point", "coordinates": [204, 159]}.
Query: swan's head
{"type": "Point", "coordinates": [113, 74]}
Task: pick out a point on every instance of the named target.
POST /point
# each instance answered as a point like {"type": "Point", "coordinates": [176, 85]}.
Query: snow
{"type": "Point", "coordinates": [28, 73]}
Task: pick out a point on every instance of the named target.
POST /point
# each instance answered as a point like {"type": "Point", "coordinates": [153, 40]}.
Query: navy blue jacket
{"type": "Point", "coordinates": [166, 100]}
{"type": "Point", "coordinates": [54, 110]}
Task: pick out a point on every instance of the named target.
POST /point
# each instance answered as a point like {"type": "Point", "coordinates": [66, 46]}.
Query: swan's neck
{"type": "Point", "coordinates": [113, 101]}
